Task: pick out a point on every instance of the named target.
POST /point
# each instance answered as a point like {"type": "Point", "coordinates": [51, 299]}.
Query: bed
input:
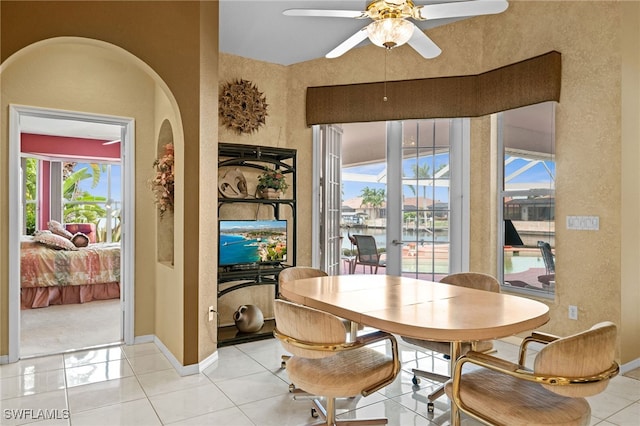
{"type": "Point", "coordinates": [51, 276]}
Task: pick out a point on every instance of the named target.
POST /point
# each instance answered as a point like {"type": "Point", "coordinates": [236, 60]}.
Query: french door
{"type": "Point", "coordinates": [422, 224]}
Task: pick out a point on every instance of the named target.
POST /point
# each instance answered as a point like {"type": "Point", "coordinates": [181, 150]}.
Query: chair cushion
{"type": "Point", "coordinates": [345, 374]}
{"type": "Point", "coordinates": [510, 401]}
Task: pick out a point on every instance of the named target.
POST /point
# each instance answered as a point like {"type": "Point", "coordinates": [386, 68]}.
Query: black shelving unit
{"type": "Point", "coordinates": [242, 276]}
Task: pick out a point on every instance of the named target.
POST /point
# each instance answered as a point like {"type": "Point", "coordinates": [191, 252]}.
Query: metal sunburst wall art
{"type": "Point", "coordinates": [243, 108]}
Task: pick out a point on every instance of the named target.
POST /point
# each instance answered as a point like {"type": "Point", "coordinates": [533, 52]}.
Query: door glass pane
{"type": "Point", "coordinates": [425, 190]}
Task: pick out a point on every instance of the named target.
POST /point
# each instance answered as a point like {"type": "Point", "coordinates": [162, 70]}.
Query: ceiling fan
{"type": "Point", "coordinates": [391, 28]}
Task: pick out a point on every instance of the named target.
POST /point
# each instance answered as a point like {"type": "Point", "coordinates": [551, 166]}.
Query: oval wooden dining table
{"type": "Point", "coordinates": [421, 309]}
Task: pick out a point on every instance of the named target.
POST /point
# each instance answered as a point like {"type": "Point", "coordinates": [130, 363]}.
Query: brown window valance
{"type": "Point", "coordinates": [524, 83]}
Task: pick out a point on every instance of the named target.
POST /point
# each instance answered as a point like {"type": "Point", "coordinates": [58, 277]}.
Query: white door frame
{"type": "Point", "coordinates": [127, 257]}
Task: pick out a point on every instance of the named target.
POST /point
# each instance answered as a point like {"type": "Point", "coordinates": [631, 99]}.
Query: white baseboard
{"type": "Point", "coordinates": [183, 370]}
{"type": "Point", "coordinates": [4, 359]}
{"type": "Point", "coordinates": [630, 366]}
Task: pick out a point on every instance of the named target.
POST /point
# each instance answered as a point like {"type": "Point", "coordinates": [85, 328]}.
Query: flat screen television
{"type": "Point", "coordinates": [243, 242]}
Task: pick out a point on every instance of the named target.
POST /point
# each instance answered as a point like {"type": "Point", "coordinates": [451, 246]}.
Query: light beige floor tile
{"type": "Point", "coordinates": [131, 413]}
{"type": "Point", "coordinates": [395, 413]}
{"type": "Point", "coordinates": [229, 416]}
{"type": "Point", "coordinates": [269, 356]}
{"type": "Point", "coordinates": [27, 409]}
{"type": "Point", "coordinates": [96, 395]}
{"type": "Point", "coordinates": [32, 365]}
{"type": "Point", "coordinates": [281, 410]}
{"type": "Point", "coordinates": [185, 403]}
{"type": "Point", "coordinates": [417, 401]}
{"type": "Point", "coordinates": [628, 416]}
{"type": "Point", "coordinates": [253, 387]}
{"type": "Point", "coordinates": [165, 381]}
{"type": "Point", "coordinates": [606, 404]}
{"type": "Point", "coordinates": [100, 372]}
{"type": "Point", "coordinates": [141, 349]}
{"type": "Point", "coordinates": [149, 363]}
{"type": "Point", "coordinates": [93, 356]}
{"type": "Point", "coordinates": [29, 384]}
{"type": "Point", "coordinates": [624, 387]}
{"type": "Point", "coordinates": [232, 363]}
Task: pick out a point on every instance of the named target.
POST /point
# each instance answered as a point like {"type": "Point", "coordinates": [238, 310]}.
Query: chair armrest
{"type": "Point", "coordinates": [360, 342]}
{"type": "Point", "coordinates": [518, 371]}
{"type": "Point", "coordinates": [537, 337]}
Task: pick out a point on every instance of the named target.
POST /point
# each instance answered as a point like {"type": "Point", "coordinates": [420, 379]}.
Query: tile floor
{"type": "Point", "coordinates": [136, 385]}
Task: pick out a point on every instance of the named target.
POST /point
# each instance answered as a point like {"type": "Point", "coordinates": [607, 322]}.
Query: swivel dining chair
{"type": "Point", "coordinates": [474, 280]}
{"type": "Point", "coordinates": [299, 273]}
{"type": "Point", "coordinates": [324, 363]}
{"type": "Point", "coordinates": [565, 371]}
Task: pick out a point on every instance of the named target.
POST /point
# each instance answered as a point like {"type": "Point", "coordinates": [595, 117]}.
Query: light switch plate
{"type": "Point", "coordinates": [583, 223]}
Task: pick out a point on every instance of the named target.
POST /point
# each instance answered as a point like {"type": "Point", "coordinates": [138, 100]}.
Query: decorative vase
{"type": "Point", "coordinates": [248, 318]}
{"type": "Point", "coordinates": [270, 193]}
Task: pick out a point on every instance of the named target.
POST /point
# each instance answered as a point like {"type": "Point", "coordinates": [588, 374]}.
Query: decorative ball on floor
{"type": "Point", "coordinates": [248, 318]}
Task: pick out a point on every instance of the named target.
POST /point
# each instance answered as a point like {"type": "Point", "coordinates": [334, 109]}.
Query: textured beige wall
{"type": "Point", "coordinates": [630, 176]}
{"type": "Point", "coordinates": [175, 56]}
{"type": "Point", "coordinates": [588, 147]}
{"type": "Point", "coordinates": [81, 72]}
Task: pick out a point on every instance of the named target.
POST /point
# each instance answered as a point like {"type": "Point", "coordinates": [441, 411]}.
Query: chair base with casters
{"type": "Point", "coordinates": [324, 363]}
{"type": "Point", "coordinates": [443, 348]}
{"type": "Point", "coordinates": [564, 372]}
{"type": "Point", "coordinates": [475, 280]}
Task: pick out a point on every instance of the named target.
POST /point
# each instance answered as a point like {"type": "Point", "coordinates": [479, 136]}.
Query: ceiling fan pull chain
{"type": "Point", "coordinates": [384, 98]}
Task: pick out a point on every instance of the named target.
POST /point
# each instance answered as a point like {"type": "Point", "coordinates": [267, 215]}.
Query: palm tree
{"type": "Point", "coordinates": [82, 208]}
{"type": "Point", "coordinates": [372, 198]}
{"type": "Point", "coordinates": [420, 172]}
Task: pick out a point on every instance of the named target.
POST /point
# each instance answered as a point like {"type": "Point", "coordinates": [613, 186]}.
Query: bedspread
{"type": "Point", "coordinates": [41, 266]}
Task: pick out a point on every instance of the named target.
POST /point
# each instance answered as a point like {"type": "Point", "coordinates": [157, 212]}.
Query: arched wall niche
{"type": "Point", "coordinates": [165, 222]}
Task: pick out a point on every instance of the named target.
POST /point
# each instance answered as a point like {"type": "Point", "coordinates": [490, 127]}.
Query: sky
{"type": "Point", "coordinates": [101, 189]}
{"type": "Point", "coordinates": [538, 174]}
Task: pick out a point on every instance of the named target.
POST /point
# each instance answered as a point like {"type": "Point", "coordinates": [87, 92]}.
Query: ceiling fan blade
{"type": "Point", "coordinates": [324, 13]}
{"type": "Point", "coordinates": [348, 44]}
{"type": "Point", "coordinates": [423, 44]}
{"type": "Point", "coordinates": [462, 9]}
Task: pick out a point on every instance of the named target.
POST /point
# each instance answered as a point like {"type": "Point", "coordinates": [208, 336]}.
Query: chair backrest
{"type": "Point", "coordinates": [585, 354]}
{"type": "Point", "coordinates": [309, 325]}
{"type": "Point", "coordinates": [547, 256]}
{"type": "Point", "coordinates": [476, 280]}
{"type": "Point", "coordinates": [298, 273]}
{"type": "Point", "coordinates": [367, 250]}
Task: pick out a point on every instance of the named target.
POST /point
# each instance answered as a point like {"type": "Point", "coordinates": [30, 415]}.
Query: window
{"type": "Point", "coordinates": [527, 180]}
{"type": "Point", "coordinates": [89, 192]}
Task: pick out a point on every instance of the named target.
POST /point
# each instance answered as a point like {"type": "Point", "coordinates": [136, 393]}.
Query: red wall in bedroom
{"type": "Point", "coordinates": [90, 149]}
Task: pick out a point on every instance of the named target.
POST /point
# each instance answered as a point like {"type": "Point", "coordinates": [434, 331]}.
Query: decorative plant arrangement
{"type": "Point", "coordinates": [272, 183]}
{"type": "Point", "coordinates": [242, 107]}
{"type": "Point", "coordinates": [162, 183]}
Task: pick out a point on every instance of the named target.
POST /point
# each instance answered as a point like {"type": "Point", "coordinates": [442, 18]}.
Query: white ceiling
{"type": "Point", "coordinates": [257, 29]}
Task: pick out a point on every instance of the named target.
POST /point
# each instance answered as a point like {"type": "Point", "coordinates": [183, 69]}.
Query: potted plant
{"type": "Point", "coordinates": [271, 184]}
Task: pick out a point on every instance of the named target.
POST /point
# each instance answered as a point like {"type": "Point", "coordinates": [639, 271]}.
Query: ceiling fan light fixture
{"type": "Point", "coordinates": [390, 32]}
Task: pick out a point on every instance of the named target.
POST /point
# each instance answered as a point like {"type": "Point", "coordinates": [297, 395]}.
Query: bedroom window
{"type": "Point", "coordinates": [91, 194]}
{"type": "Point", "coordinates": [30, 174]}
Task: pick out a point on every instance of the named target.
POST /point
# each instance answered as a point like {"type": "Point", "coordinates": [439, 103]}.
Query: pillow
{"type": "Point", "coordinates": [80, 240]}
{"type": "Point", "coordinates": [53, 241]}
{"type": "Point", "coordinates": [57, 228]}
